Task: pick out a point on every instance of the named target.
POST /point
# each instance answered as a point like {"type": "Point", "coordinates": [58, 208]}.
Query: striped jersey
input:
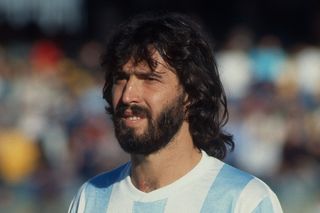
{"type": "Point", "coordinates": [211, 186]}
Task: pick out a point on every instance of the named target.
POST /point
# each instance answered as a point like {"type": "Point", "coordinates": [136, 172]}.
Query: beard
{"type": "Point", "coordinates": [158, 133]}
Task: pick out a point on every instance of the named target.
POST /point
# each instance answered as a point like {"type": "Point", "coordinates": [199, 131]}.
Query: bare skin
{"type": "Point", "coordinates": [142, 87]}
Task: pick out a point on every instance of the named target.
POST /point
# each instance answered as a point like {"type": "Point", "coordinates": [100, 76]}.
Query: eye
{"type": "Point", "coordinates": [119, 77]}
{"type": "Point", "coordinates": [150, 78]}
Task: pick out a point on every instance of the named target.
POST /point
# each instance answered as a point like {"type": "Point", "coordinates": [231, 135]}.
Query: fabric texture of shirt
{"type": "Point", "coordinates": [211, 186]}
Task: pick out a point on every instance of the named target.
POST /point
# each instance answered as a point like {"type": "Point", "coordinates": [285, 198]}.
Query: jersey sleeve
{"type": "Point", "coordinates": [257, 197]}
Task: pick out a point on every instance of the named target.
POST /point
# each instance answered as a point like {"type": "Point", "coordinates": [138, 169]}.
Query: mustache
{"type": "Point", "coordinates": [135, 109]}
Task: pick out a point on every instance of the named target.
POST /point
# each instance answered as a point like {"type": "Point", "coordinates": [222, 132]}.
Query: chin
{"type": "Point", "coordinates": [138, 131]}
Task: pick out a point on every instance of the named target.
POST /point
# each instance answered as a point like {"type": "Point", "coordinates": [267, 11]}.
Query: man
{"type": "Point", "coordinates": [168, 107]}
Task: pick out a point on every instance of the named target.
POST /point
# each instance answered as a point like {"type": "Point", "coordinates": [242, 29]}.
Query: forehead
{"type": "Point", "coordinates": [158, 65]}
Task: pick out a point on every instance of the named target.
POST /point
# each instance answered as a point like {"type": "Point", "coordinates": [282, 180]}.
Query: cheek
{"type": "Point", "coordinates": [157, 103]}
{"type": "Point", "coordinates": [115, 96]}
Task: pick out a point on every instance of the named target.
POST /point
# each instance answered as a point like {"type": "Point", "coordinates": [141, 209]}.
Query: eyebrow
{"type": "Point", "coordinates": [148, 74]}
{"type": "Point", "coordinates": [138, 73]}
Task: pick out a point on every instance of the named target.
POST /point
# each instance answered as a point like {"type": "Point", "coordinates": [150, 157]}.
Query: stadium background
{"type": "Point", "coordinates": [54, 133]}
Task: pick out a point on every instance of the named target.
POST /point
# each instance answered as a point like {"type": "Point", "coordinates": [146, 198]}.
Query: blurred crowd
{"type": "Point", "coordinates": [55, 133]}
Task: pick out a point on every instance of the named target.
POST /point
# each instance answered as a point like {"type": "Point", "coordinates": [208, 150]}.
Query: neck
{"type": "Point", "coordinates": [150, 172]}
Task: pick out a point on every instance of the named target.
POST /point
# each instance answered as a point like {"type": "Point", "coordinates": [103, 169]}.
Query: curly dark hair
{"type": "Point", "coordinates": [184, 46]}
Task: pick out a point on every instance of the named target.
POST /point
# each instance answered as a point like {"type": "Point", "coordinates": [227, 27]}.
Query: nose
{"type": "Point", "coordinates": [132, 91]}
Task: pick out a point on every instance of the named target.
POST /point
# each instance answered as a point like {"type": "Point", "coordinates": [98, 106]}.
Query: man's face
{"type": "Point", "coordinates": [148, 106]}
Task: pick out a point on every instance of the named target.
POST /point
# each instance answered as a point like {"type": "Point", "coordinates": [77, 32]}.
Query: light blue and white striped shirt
{"type": "Point", "coordinates": [211, 186]}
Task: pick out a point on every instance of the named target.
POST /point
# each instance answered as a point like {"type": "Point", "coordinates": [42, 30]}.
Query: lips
{"type": "Point", "coordinates": [131, 115]}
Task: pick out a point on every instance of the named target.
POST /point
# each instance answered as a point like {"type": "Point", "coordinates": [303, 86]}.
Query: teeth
{"type": "Point", "coordinates": [134, 118]}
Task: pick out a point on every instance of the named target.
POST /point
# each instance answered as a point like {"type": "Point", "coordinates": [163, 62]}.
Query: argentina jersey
{"type": "Point", "coordinates": [211, 186]}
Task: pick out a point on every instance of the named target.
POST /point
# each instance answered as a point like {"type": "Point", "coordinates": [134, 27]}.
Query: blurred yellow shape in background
{"type": "Point", "coordinates": [18, 156]}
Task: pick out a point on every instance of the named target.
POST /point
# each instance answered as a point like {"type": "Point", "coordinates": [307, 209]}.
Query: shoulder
{"type": "Point", "coordinates": [233, 178]}
{"type": "Point", "coordinates": [97, 188]}
{"type": "Point", "coordinates": [244, 191]}
{"type": "Point", "coordinates": [228, 177]}
{"type": "Point", "coordinates": [254, 195]}
{"type": "Point", "coordinates": [257, 196]}
{"type": "Point", "coordinates": [106, 179]}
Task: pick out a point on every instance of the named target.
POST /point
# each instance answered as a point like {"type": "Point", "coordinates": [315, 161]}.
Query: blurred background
{"type": "Point", "coordinates": [55, 134]}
